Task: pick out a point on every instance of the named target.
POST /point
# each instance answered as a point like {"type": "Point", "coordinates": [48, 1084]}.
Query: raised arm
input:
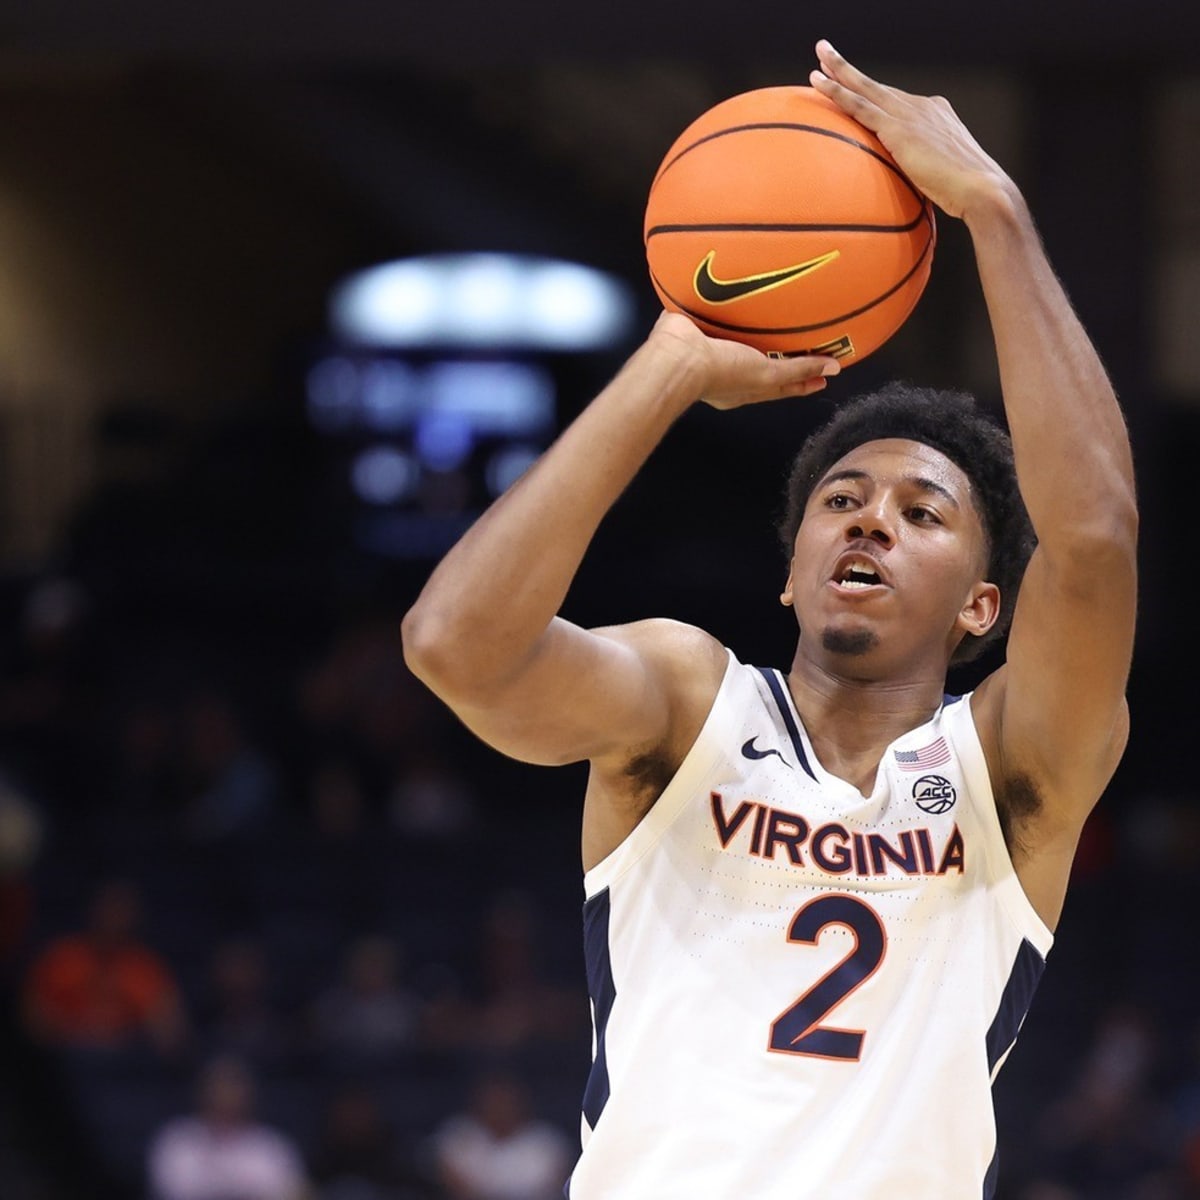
{"type": "Point", "coordinates": [484, 633]}
{"type": "Point", "coordinates": [1053, 719]}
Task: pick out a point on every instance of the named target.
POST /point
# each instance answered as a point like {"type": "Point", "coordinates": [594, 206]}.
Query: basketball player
{"type": "Point", "coordinates": [818, 903]}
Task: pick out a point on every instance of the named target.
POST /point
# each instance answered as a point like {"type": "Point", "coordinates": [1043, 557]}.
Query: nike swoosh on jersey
{"type": "Point", "coordinates": [722, 291]}
{"type": "Point", "coordinates": [749, 750]}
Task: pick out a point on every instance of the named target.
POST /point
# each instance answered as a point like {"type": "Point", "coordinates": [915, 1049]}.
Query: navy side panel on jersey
{"type": "Point", "coordinates": [1018, 992]}
{"type": "Point", "coordinates": [603, 992]}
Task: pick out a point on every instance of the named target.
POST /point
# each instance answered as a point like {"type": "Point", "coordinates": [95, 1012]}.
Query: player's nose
{"type": "Point", "coordinates": [875, 521]}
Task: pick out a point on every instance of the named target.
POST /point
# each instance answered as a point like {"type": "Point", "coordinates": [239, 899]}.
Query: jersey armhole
{"type": "Point", "coordinates": [696, 763]}
{"type": "Point", "coordinates": [1002, 875]}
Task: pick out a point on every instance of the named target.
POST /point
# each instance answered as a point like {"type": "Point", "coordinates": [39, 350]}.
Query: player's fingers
{"type": "Point", "coordinates": [799, 376]}
{"type": "Point", "coordinates": [808, 388]}
{"type": "Point", "coordinates": [776, 379]}
{"type": "Point", "coordinates": [853, 104]}
{"type": "Point", "coordinates": [842, 71]}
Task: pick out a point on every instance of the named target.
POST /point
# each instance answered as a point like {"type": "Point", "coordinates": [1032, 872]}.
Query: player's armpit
{"type": "Point", "coordinates": [1042, 809]}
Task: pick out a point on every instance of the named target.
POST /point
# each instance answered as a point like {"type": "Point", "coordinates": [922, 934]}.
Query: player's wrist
{"type": "Point", "coordinates": [680, 359]}
{"type": "Point", "coordinates": [995, 203]}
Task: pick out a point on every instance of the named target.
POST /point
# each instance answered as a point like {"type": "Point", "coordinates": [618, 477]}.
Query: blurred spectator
{"type": "Point", "coordinates": [1109, 1136]}
{"type": "Point", "coordinates": [233, 784]}
{"type": "Point", "coordinates": [1191, 1165]}
{"type": "Point", "coordinates": [338, 805]}
{"type": "Point", "coordinates": [104, 987]}
{"type": "Point", "coordinates": [360, 1157]}
{"type": "Point", "coordinates": [146, 763]}
{"type": "Point", "coordinates": [1041, 1190]}
{"type": "Point", "coordinates": [1163, 831]}
{"type": "Point", "coordinates": [223, 1152]}
{"type": "Point", "coordinates": [21, 832]}
{"type": "Point", "coordinates": [359, 697]}
{"type": "Point", "coordinates": [369, 1013]}
{"type": "Point", "coordinates": [497, 1150]}
{"type": "Point", "coordinates": [516, 1004]}
{"type": "Point", "coordinates": [430, 799]}
{"type": "Point", "coordinates": [50, 691]}
{"type": "Point", "coordinates": [42, 673]}
{"type": "Point", "coordinates": [1185, 1107]}
{"type": "Point", "coordinates": [239, 1017]}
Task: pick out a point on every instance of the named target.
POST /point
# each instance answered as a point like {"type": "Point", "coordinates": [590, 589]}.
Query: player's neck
{"type": "Point", "coordinates": [851, 721]}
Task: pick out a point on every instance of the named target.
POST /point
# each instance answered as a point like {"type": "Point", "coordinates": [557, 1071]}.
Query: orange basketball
{"type": "Point", "coordinates": [777, 220]}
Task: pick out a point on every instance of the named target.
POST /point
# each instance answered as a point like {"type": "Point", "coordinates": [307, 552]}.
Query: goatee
{"type": "Point", "coordinates": [851, 642]}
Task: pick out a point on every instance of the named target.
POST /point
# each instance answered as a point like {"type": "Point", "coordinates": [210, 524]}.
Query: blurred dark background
{"type": "Point", "coordinates": [318, 919]}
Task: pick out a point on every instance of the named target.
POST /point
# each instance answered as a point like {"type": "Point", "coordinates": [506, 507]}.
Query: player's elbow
{"type": "Point", "coordinates": [431, 648]}
{"type": "Point", "coordinates": [1110, 534]}
{"type": "Point", "coordinates": [449, 657]}
{"type": "Point", "coordinates": [1094, 537]}
{"type": "Point", "coordinates": [1097, 556]}
{"type": "Point", "coordinates": [1111, 519]}
{"type": "Point", "coordinates": [463, 660]}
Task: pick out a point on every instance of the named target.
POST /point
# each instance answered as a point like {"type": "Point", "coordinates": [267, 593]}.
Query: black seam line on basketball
{"type": "Point", "coordinates": [747, 227]}
{"type": "Point", "coordinates": [707, 320]}
{"type": "Point", "coordinates": [829, 133]}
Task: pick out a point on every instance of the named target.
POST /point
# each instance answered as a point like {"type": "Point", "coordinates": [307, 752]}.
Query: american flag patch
{"type": "Point", "coordinates": [932, 755]}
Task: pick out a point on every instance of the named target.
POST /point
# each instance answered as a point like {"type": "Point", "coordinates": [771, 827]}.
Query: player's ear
{"type": "Point", "coordinates": [981, 610]}
{"type": "Point", "coordinates": [785, 597]}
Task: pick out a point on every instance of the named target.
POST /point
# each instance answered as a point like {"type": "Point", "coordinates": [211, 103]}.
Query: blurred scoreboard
{"type": "Point", "coordinates": [438, 386]}
{"type": "Point", "coordinates": [423, 444]}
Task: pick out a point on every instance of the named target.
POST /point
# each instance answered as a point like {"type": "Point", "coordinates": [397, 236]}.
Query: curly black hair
{"type": "Point", "coordinates": [955, 425]}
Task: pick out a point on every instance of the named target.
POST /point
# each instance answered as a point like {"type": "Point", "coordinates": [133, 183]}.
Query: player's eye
{"type": "Point", "coordinates": [923, 515]}
{"type": "Point", "coordinates": [840, 500]}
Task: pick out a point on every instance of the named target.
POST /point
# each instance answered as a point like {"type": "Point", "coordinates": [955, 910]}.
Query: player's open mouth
{"type": "Point", "coordinates": [857, 572]}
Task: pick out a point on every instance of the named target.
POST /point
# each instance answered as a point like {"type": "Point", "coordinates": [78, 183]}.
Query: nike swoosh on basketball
{"type": "Point", "coordinates": [749, 750]}
{"type": "Point", "coordinates": [722, 291]}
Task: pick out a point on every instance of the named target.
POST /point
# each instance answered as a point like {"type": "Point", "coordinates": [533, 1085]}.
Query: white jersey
{"type": "Point", "coordinates": [798, 991]}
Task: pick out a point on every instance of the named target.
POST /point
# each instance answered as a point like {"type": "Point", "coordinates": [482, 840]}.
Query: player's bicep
{"type": "Point", "coordinates": [582, 694]}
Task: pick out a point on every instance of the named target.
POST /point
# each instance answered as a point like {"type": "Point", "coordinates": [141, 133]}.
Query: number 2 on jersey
{"type": "Point", "coordinates": [798, 1029]}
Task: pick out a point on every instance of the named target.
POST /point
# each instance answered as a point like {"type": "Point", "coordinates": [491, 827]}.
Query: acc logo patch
{"type": "Point", "coordinates": [934, 794]}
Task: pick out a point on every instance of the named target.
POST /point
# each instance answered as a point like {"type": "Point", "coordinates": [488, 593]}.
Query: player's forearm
{"type": "Point", "coordinates": [488, 602]}
{"type": "Point", "coordinates": [1069, 435]}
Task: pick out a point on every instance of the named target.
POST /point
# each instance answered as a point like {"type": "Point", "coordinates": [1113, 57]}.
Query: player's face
{"type": "Point", "coordinates": [890, 558]}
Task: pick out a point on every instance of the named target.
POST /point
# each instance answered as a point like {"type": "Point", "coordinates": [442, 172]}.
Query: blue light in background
{"type": "Point", "coordinates": [444, 439]}
{"type": "Point", "coordinates": [384, 396]}
{"type": "Point", "coordinates": [384, 475]}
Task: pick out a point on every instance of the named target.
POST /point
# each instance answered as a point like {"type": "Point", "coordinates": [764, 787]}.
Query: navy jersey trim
{"type": "Point", "coordinates": [785, 711]}
{"type": "Point", "coordinates": [1015, 1000]}
{"type": "Point", "coordinates": [603, 992]}
{"type": "Point", "coordinates": [992, 1176]}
